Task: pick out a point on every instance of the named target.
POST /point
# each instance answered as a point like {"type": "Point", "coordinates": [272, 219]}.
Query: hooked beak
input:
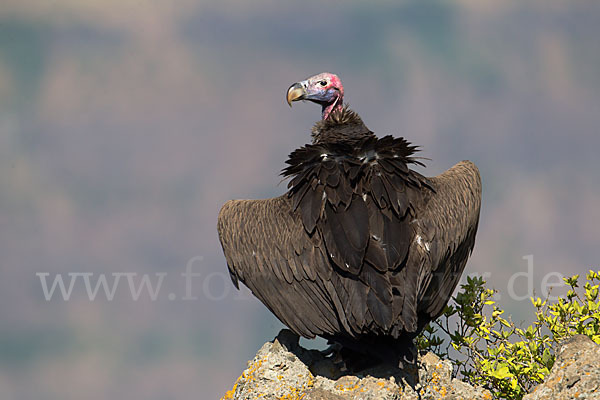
{"type": "Point", "coordinates": [296, 92]}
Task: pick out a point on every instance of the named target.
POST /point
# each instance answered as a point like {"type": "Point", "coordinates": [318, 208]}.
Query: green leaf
{"type": "Point", "coordinates": [502, 372]}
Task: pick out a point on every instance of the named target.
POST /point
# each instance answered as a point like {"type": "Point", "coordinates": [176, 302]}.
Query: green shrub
{"type": "Point", "coordinates": [490, 350]}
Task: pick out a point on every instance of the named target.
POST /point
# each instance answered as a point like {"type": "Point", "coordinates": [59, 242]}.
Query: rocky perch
{"type": "Point", "coordinates": [282, 369]}
{"type": "Point", "coordinates": [575, 374]}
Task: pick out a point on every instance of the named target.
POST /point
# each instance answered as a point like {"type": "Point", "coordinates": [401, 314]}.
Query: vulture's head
{"type": "Point", "coordinates": [325, 89]}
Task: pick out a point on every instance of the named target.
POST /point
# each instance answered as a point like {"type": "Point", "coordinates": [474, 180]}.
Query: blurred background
{"type": "Point", "coordinates": [125, 125]}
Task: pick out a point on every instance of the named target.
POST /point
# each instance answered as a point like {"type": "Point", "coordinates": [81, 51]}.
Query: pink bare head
{"type": "Point", "coordinates": [325, 89]}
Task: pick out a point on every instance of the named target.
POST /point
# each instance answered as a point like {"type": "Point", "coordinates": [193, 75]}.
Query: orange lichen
{"type": "Point", "coordinates": [247, 376]}
{"type": "Point", "coordinates": [229, 394]}
{"type": "Point", "coordinates": [296, 393]}
{"type": "Point", "coordinates": [346, 387]}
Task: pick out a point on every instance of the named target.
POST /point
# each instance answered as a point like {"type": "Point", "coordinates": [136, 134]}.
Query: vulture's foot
{"type": "Point", "coordinates": [348, 360]}
{"type": "Point", "coordinates": [407, 356]}
{"type": "Point", "coordinates": [331, 350]}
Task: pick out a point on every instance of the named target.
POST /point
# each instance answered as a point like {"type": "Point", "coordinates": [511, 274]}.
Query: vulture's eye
{"type": "Point", "coordinates": [323, 83]}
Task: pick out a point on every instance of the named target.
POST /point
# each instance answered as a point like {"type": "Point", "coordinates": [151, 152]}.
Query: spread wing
{"type": "Point", "coordinates": [446, 236]}
{"type": "Point", "coordinates": [338, 254]}
{"type": "Point", "coordinates": [267, 248]}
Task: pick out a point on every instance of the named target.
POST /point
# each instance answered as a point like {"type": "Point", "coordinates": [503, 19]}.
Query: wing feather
{"type": "Point", "coordinates": [450, 221]}
{"type": "Point", "coordinates": [360, 244]}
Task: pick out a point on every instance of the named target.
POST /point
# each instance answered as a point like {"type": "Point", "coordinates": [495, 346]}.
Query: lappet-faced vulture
{"type": "Point", "coordinates": [361, 250]}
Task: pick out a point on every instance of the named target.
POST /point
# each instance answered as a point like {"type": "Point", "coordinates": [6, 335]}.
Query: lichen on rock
{"type": "Point", "coordinates": [575, 374]}
{"type": "Point", "coordinates": [282, 369]}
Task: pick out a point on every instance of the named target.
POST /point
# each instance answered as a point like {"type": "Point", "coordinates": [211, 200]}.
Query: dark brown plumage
{"type": "Point", "coordinates": [361, 250]}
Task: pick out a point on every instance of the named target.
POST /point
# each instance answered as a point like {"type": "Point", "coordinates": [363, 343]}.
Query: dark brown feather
{"type": "Point", "coordinates": [361, 246]}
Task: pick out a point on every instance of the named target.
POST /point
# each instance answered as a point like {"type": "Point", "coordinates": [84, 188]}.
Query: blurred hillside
{"type": "Point", "coordinates": [124, 126]}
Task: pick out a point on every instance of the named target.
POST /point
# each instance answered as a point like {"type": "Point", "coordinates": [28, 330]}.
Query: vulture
{"type": "Point", "coordinates": [362, 250]}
